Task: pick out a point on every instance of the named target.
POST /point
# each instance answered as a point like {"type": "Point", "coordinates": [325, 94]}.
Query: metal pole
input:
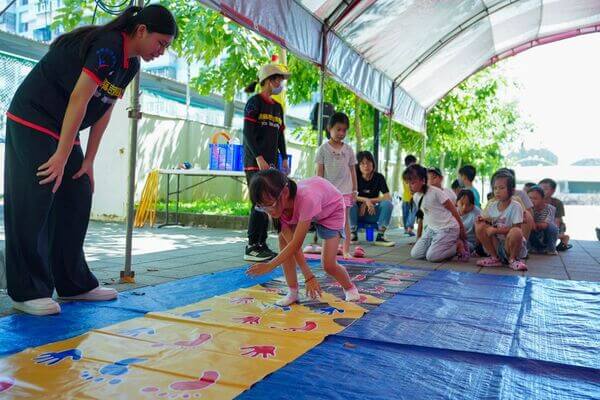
{"type": "Point", "coordinates": [188, 93]}
{"type": "Point", "coordinates": [322, 84]}
{"type": "Point", "coordinates": [127, 275]}
{"type": "Point", "coordinates": [376, 128]}
{"type": "Point", "coordinates": [389, 144]}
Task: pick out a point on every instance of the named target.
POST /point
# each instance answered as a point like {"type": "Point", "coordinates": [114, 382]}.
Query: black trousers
{"type": "Point", "coordinates": [258, 224]}
{"type": "Point", "coordinates": [44, 231]}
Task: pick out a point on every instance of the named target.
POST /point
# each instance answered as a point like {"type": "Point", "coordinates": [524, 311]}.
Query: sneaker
{"type": "Point", "coordinates": [291, 298]}
{"type": "Point", "coordinates": [98, 294]}
{"type": "Point", "coordinates": [382, 241]}
{"type": "Point", "coordinates": [352, 294]}
{"type": "Point", "coordinates": [411, 234]}
{"type": "Point", "coordinates": [266, 248]}
{"type": "Point", "coordinates": [257, 253]}
{"type": "Point", "coordinates": [563, 247]}
{"type": "Point", "coordinates": [42, 306]}
{"type": "Point", "coordinates": [354, 238]}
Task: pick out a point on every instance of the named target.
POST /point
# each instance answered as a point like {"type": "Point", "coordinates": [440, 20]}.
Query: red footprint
{"type": "Point", "coordinates": [6, 383]}
{"type": "Point", "coordinates": [207, 379]}
{"type": "Point", "coordinates": [359, 278]}
{"type": "Point", "coordinates": [201, 339]}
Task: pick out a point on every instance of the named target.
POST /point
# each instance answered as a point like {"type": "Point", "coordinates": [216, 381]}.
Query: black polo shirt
{"type": "Point", "coordinates": [41, 100]}
{"type": "Point", "coordinates": [263, 131]}
{"type": "Point", "coordinates": [371, 188]}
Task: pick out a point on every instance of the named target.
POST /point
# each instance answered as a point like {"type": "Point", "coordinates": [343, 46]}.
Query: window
{"type": "Point", "coordinates": [24, 2]}
{"type": "Point", "coordinates": [42, 34]}
{"type": "Point", "coordinates": [23, 26]}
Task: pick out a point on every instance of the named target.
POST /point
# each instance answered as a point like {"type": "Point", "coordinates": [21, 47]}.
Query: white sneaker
{"type": "Point", "coordinates": [42, 306]}
{"type": "Point", "coordinates": [98, 294]}
{"type": "Point", "coordinates": [291, 298]}
{"type": "Point", "coordinates": [352, 294]}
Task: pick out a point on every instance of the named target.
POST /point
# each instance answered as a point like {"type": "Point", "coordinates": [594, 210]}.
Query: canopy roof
{"type": "Point", "coordinates": [402, 56]}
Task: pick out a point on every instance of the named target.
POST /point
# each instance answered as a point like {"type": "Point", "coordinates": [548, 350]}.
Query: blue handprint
{"type": "Point", "coordinates": [55, 358]}
{"type": "Point", "coordinates": [137, 332]}
{"type": "Point", "coordinates": [196, 313]}
{"type": "Point", "coordinates": [117, 369]}
{"type": "Point", "coordinates": [330, 310]}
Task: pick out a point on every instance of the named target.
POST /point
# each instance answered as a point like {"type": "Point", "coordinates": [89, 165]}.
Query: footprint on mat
{"type": "Point", "coordinates": [200, 340]}
{"type": "Point", "coordinates": [111, 372]}
{"type": "Point", "coordinates": [6, 383]}
{"type": "Point", "coordinates": [207, 379]}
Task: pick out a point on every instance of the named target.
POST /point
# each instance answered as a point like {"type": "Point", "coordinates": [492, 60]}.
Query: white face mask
{"type": "Point", "coordinates": [279, 89]}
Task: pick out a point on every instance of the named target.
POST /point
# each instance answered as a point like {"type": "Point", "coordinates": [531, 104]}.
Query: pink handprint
{"type": "Point", "coordinates": [201, 339]}
{"type": "Point", "coordinates": [376, 290]}
{"type": "Point", "coordinates": [359, 278]}
{"type": "Point", "coordinates": [256, 351]}
{"type": "Point", "coordinates": [273, 290]}
{"type": "Point", "coordinates": [308, 326]}
{"type": "Point", "coordinates": [6, 383]}
{"type": "Point", "coordinates": [250, 319]}
{"type": "Point", "coordinates": [241, 300]}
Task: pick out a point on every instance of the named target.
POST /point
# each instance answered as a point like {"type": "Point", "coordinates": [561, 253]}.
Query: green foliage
{"type": "Point", "coordinates": [214, 206]}
{"type": "Point", "coordinates": [469, 125]}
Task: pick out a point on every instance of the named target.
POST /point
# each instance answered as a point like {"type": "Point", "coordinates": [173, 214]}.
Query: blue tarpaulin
{"type": "Point", "coordinates": [458, 335]}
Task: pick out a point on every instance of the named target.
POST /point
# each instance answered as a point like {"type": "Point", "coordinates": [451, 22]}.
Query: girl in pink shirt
{"type": "Point", "coordinates": [297, 205]}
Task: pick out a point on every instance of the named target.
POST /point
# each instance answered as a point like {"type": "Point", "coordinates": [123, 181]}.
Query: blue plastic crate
{"type": "Point", "coordinates": [289, 159]}
{"type": "Point", "coordinates": [221, 157]}
{"type": "Point", "coordinates": [238, 157]}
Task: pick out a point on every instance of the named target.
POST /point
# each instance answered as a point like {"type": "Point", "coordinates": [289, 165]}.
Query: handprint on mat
{"type": "Point", "coordinates": [258, 351]}
{"type": "Point", "coordinates": [119, 368]}
{"type": "Point", "coordinates": [308, 326]}
{"type": "Point", "coordinates": [135, 332]}
{"type": "Point", "coordinates": [196, 313]}
{"type": "Point", "coordinates": [206, 380]}
{"type": "Point", "coordinates": [6, 383]}
{"type": "Point", "coordinates": [54, 358]}
{"type": "Point", "coordinates": [330, 310]}
{"type": "Point", "coordinates": [250, 319]}
{"type": "Point", "coordinates": [242, 300]}
{"type": "Point", "coordinates": [200, 340]}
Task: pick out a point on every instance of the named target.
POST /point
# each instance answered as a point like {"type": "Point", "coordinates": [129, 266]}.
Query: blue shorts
{"type": "Point", "coordinates": [326, 233]}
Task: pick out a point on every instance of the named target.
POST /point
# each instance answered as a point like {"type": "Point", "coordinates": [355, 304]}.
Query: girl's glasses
{"type": "Point", "coordinates": [264, 208]}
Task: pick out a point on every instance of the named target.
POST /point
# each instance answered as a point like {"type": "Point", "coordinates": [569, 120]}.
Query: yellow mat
{"type": "Point", "coordinates": [214, 349]}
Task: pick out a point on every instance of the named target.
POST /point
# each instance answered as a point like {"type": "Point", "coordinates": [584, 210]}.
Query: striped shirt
{"type": "Point", "coordinates": [544, 215]}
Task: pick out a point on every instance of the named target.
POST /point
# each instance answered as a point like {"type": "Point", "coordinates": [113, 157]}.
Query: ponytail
{"type": "Point", "coordinates": [251, 88]}
{"type": "Point", "coordinates": [155, 17]}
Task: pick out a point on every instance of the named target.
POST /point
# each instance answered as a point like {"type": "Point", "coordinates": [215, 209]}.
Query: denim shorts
{"type": "Point", "coordinates": [326, 233]}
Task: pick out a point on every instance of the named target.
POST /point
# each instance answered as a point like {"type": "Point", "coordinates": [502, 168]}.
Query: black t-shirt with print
{"type": "Point", "coordinates": [263, 131]}
{"type": "Point", "coordinates": [43, 96]}
{"type": "Point", "coordinates": [371, 188]}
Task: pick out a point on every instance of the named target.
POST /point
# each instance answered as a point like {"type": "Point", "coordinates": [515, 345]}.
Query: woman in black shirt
{"type": "Point", "coordinates": [48, 180]}
{"type": "Point", "coordinates": [374, 202]}
{"type": "Point", "coordinates": [263, 142]}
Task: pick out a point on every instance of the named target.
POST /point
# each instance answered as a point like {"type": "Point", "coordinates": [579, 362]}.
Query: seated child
{"type": "Point", "coordinates": [443, 224]}
{"type": "Point", "coordinates": [468, 213]}
{"type": "Point", "coordinates": [296, 206]}
{"type": "Point", "coordinates": [549, 187]}
{"type": "Point", "coordinates": [436, 178]}
{"type": "Point", "coordinates": [499, 227]}
{"type": "Point", "coordinates": [545, 232]}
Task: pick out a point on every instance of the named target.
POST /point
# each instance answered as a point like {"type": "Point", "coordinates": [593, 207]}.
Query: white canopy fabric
{"type": "Point", "coordinates": [402, 56]}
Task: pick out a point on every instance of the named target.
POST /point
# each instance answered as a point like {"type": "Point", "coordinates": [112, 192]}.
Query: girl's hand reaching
{"type": "Point", "coordinates": [259, 269]}
{"type": "Point", "coordinates": [313, 289]}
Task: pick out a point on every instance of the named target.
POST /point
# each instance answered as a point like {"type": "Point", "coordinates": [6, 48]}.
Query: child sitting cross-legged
{"type": "Point", "coordinates": [443, 224]}
{"type": "Point", "coordinates": [499, 227]}
{"type": "Point", "coordinates": [544, 234]}
{"type": "Point", "coordinates": [468, 213]}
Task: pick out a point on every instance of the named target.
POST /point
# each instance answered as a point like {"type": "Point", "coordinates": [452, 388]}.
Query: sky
{"type": "Point", "coordinates": [559, 92]}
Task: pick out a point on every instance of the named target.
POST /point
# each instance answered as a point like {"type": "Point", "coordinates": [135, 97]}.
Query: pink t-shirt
{"type": "Point", "coordinates": [317, 200]}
